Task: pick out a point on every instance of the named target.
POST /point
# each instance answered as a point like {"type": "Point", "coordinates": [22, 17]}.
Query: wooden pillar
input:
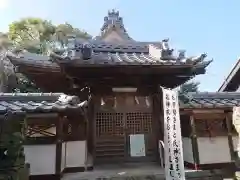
{"type": "Point", "coordinates": [194, 142]}
{"type": "Point", "coordinates": [229, 131]}
{"type": "Point", "coordinates": [157, 128]}
{"type": "Point", "coordinates": [90, 126]}
{"type": "Point", "coordinates": [59, 140]}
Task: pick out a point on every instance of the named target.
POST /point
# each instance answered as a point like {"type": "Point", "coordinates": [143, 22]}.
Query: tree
{"type": "Point", "coordinates": [63, 30]}
{"type": "Point", "coordinates": [187, 88]}
{"type": "Point", "coordinates": [34, 35]}
{"type": "Point", "coordinates": [8, 78]}
{"type": "Point", "coordinates": [39, 36]}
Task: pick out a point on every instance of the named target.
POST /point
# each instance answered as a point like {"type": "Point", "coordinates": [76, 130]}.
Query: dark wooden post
{"type": "Point", "coordinates": [194, 142]}
{"type": "Point", "coordinates": [59, 140]}
{"type": "Point", "coordinates": [229, 131]}
{"type": "Point", "coordinates": [230, 169]}
{"type": "Point", "coordinates": [157, 128]}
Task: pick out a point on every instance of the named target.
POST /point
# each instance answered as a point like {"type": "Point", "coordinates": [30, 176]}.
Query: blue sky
{"type": "Point", "coordinates": [210, 26]}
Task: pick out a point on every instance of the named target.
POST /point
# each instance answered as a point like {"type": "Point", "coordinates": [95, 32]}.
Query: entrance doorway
{"type": "Point", "coordinates": [124, 137]}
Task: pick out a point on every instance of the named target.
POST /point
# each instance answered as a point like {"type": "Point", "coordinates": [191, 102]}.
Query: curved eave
{"type": "Point", "coordinates": [38, 65]}
{"type": "Point", "coordinates": [107, 60]}
{"type": "Point", "coordinates": [46, 75]}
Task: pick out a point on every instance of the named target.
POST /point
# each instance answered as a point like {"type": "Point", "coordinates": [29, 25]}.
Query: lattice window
{"type": "Point", "coordinates": [109, 124]}
{"type": "Point", "coordinates": [40, 131]}
{"type": "Point", "coordinates": [217, 127]}
{"type": "Point", "coordinates": [139, 122]}
{"type": "Point", "coordinates": [201, 127]}
{"type": "Point", "coordinates": [211, 128]}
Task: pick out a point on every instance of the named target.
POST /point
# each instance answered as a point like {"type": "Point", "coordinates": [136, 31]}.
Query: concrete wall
{"type": "Point", "coordinates": [187, 150]}
{"type": "Point", "coordinates": [76, 154]}
{"type": "Point", "coordinates": [64, 151]}
{"type": "Point", "coordinates": [213, 150]}
{"type": "Point", "coordinates": [42, 158]}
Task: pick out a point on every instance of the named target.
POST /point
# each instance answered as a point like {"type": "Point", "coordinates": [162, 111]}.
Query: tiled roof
{"type": "Point", "coordinates": [102, 58]}
{"type": "Point", "coordinates": [55, 102]}
{"type": "Point", "coordinates": [38, 102]}
{"type": "Point", "coordinates": [230, 79]}
{"type": "Point", "coordinates": [210, 100]}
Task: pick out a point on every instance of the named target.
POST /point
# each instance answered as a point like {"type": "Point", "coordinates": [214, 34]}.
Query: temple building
{"type": "Point", "coordinates": [231, 83]}
{"type": "Point", "coordinates": [115, 81]}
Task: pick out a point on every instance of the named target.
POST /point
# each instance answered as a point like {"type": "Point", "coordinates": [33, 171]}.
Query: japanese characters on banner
{"type": "Point", "coordinates": [174, 165]}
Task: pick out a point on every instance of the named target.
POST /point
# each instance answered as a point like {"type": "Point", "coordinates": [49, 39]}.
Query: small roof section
{"type": "Point", "coordinates": [210, 100]}
{"type": "Point", "coordinates": [38, 102]}
{"type": "Point", "coordinates": [232, 82]}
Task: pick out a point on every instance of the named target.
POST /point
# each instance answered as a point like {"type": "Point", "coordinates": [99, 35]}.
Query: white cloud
{"type": "Point", "coordinates": [4, 4]}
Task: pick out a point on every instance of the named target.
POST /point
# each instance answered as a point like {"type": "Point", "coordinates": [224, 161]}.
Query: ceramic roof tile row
{"type": "Point", "coordinates": [48, 102]}
{"type": "Point", "coordinates": [105, 58]}
{"type": "Point", "coordinates": [35, 102]}
{"type": "Point", "coordinates": [211, 100]}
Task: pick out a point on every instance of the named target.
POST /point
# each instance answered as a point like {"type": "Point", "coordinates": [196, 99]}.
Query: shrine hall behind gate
{"type": "Point", "coordinates": [117, 114]}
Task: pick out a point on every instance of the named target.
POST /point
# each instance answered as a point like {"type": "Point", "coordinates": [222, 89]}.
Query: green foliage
{"type": "Point", "coordinates": [25, 86]}
{"type": "Point", "coordinates": [37, 36]}
{"type": "Point", "coordinates": [12, 156]}
{"type": "Point", "coordinates": [187, 88]}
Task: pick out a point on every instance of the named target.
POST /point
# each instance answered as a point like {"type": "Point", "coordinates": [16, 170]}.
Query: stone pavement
{"type": "Point", "coordinates": [136, 171]}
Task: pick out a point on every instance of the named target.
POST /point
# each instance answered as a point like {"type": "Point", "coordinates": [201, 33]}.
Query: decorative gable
{"type": "Point", "coordinates": [113, 28]}
{"type": "Point", "coordinates": [113, 36]}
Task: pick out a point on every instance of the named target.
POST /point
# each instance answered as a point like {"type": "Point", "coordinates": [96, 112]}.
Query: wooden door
{"type": "Point", "coordinates": [110, 136]}
{"type": "Point", "coordinates": [113, 131]}
{"type": "Point", "coordinates": [140, 123]}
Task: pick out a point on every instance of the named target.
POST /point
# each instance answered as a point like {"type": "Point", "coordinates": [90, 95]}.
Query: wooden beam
{"type": "Point", "coordinates": [230, 140]}
{"type": "Point", "coordinates": [42, 115]}
{"type": "Point", "coordinates": [208, 111]}
{"type": "Point", "coordinates": [157, 123]}
{"type": "Point", "coordinates": [59, 135]}
{"type": "Point", "coordinates": [194, 142]}
{"type": "Point", "coordinates": [201, 108]}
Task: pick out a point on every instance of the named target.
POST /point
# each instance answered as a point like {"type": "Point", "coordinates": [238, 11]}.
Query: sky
{"type": "Point", "coordinates": [209, 26]}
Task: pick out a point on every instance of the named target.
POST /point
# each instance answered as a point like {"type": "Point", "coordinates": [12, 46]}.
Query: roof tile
{"type": "Point", "coordinates": [211, 100]}
{"type": "Point", "coordinates": [40, 102]}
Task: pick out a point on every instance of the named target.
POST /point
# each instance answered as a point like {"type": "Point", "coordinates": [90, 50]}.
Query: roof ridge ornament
{"type": "Point", "coordinates": [77, 49]}
{"type": "Point", "coordinates": [113, 22]}
{"type": "Point", "coordinates": [166, 52]}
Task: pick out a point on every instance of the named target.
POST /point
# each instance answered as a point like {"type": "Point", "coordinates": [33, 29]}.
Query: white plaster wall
{"type": "Point", "coordinates": [213, 150]}
{"type": "Point", "coordinates": [63, 160]}
{"type": "Point", "coordinates": [41, 158]}
{"type": "Point", "coordinates": [76, 153]}
{"type": "Point", "coordinates": [187, 150]}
